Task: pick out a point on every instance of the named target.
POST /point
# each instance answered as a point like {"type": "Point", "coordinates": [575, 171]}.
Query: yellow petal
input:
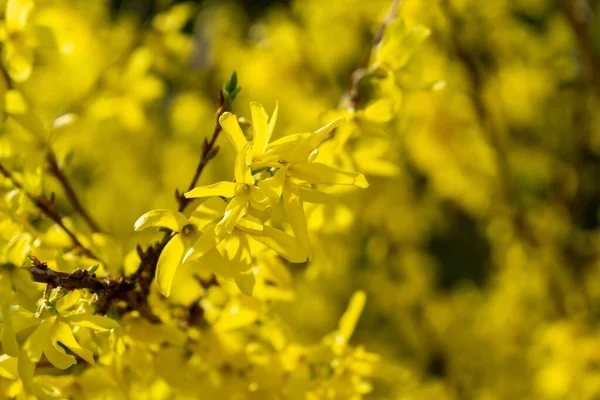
{"type": "Point", "coordinates": [45, 389]}
{"type": "Point", "coordinates": [140, 62]}
{"type": "Point", "coordinates": [241, 170]}
{"type": "Point", "coordinates": [34, 345]}
{"type": "Point", "coordinates": [230, 125]}
{"type": "Point", "coordinates": [282, 149]}
{"type": "Point", "coordinates": [235, 210]}
{"type": "Point", "coordinates": [215, 262]}
{"type": "Point", "coordinates": [237, 249]}
{"type": "Point", "coordinates": [273, 186]}
{"type": "Point", "coordinates": [26, 369]}
{"type": "Point", "coordinates": [15, 102]}
{"type": "Point", "coordinates": [64, 334]}
{"type": "Point", "coordinates": [203, 245]}
{"type": "Point", "coordinates": [258, 199]}
{"type": "Point", "coordinates": [209, 211]}
{"type": "Point", "coordinates": [174, 18]}
{"type": "Point", "coordinates": [260, 129]}
{"type": "Point", "coordinates": [235, 317]}
{"type": "Point", "coordinates": [272, 122]}
{"type": "Point", "coordinates": [308, 145]}
{"type": "Point", "coordinates": [321, 173]}
{"type": "Point", "coordinates": [18, 60]}
{"type": "Point", "coordinates": [294, 210]}
{"type": "Point", "coordinates": [250, 224]}
{"type": "Point", "coordinates": [224, 189]}
{"type": "Point", "coordinates": [380, 111]}
{"type": "Point", "coordinates": [32, 123]}
{"type": "Point", "coordinates": [245, 282]}
{"type": "Point", "coordinates": [350, 318]}
{"type": "Point", "coordinates": [94, 322]}
{"type": "Point", "coordinates": [17, 13]}
{"type": "Point", "coordinates": [22, 318]}
{"type": "Point", "coordinates": [399, 44]}
{"type": "Point", "coordinates": [262, 215]}
{"type": "Point", "coordinates": [147, 88]}
{"type": "Point", "coordinates": [168, 262]}
{"type": "Point", "coordinates": [172, 220]}
{"type": "Point", "coordinates": [8, 338]}
{"type": "Point", "coordinates": [310, 195]}
{"type": "Point", "coordinates": [56, 355]}
{"type": "Point", "coordinates": [285, 245]}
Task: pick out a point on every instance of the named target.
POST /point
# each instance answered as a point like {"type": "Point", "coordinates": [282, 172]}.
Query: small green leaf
{"type": "Point", "coordinates": [231, 83]}
{"type": "Point", "coordinates": [230, 88]}
{"type": "Point", "coordinates": [93, 268]}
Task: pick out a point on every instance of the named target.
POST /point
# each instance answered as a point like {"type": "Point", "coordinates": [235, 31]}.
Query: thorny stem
{"type": "Point", "coordinates": [47, 208]}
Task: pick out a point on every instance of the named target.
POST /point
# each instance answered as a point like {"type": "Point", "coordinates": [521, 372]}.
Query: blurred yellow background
{"type": "Point", "coordinates": [477, 242]}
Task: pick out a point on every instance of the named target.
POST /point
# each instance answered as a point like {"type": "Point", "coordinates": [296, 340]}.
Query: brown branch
{"type": "Point", "coordinates": [128, 293]}
{"type": "Point", "coordinates": [354, 95]}
{"type": "Point", "coordinates": [579, 15]}
{"type": "Point", "coordinates": [144, 275]}
{"type": "Point", "coordinates": [47, 208]}
{"type": "Point", "coordinates": [132, 290]}
{"type": "Point", "coordinates": [390, 16]}
{"type": "Point", "coordinates": [491, 133]}
{"type": "Point", "coordinates": [56, 171]}
{"type": "Point", "coordinates": [77, 279]}
{"type": "Point", "coordinates": [209, 151]}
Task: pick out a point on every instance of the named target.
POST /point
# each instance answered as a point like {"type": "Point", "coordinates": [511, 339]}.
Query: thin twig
{"type": "Point", "coordinates": [47, 208]}
{"type": "Point", "coordinates": [132, 291]}
{"type": "Point", "coordinates": [390, 17]}
{"type": "Point", "coordinates": [491, 133]}
{"type": "Point", "coordinates": [146, 271]}
{"type": "Point", "coordinates": [56, 171]}
{"type": "Point", "coordinates": [353, 96]}
{"type": "Point", "coordinates": [209, 151]}
{"type": "Point", "coordinates": [579, 15]}
{"type": "Point", "coordinates": [77, 279]}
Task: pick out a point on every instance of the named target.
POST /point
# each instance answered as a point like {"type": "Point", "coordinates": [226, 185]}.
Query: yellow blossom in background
{"type": "Point", "coordinates": [412, 214]}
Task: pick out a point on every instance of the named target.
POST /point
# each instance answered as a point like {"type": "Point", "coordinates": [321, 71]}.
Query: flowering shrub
{"type": "Point", "coordinates": [429, 169]}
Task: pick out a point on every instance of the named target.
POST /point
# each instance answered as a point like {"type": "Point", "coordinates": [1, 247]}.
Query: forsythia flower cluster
{"type": "Point", "coordinates": [468, 268]}
{"type": "Point", "coordinates": [266, 173]}
{"type": "Point", "coordinates": [89, 311]}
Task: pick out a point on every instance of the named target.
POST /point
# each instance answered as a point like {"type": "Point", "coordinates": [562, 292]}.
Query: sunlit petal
{"type": "Point", "coordinates": [232, 128]}
{"type": "Point", "coordinates": [321, 173]}
{"type": "Point", "coordinates": [223, 189]}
